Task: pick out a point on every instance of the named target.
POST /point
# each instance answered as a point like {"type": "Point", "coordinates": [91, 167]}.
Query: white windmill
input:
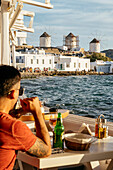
{"type": "Point", "coordinates": [11, 20]}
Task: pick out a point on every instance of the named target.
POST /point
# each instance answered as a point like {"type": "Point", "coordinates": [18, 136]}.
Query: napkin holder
{"type": "Point", "coordinates": [85, 129]}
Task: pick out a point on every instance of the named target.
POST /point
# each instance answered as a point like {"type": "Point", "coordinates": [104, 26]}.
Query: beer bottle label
{"type": "Point", "coordinates": [58, 140]}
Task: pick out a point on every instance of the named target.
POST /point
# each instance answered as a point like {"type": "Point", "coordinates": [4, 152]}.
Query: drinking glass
{"type": "Point", "coordinates": [52, 124]}
{"type": "Point", "coordinates": [20, 97]}
{"type": "Point", "coordinates": [52, 121]}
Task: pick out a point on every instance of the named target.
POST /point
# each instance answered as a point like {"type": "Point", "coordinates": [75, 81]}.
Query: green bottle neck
{"type": "Point", "coordinates": [59, 120]}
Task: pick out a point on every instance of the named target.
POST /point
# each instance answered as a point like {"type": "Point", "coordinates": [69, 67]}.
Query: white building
{"type": "Point", "coordinates": [72, 41]}
{"type": "Point", "coordinates": [38, 59]}
{"type": "Point", "coordinates": [101, 66]}
{"type": "Point", "coordinates": [45, 40]}
{"type": "Point", "coordinates": [35, 59]}
{"type": "Point", "coordinates": [94, 46]}
{"type": "Point", "coordinates": [72, 63]}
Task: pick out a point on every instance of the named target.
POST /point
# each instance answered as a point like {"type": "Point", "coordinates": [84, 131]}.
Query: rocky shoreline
{"type": "Point", "coordinates": [26, 75]}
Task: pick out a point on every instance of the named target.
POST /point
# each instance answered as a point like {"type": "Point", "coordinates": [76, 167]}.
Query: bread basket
{"type": "Point", "coordinates": [78, 141]}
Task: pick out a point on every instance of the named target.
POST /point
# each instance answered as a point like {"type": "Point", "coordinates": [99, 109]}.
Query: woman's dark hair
{"type": "Point", "coordinates": [9, 76]}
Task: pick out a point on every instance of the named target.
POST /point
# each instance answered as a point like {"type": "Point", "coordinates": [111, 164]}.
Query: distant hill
{"type": "Point", "coordinates": [109, 53]}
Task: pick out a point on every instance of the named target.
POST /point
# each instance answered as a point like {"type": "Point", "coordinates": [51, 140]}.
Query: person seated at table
{"type": "Point", "coordinates": [14, 134]}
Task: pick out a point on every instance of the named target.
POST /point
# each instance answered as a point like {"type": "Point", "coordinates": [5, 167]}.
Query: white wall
{"type": "Point", "coordinates": [28, 58]}
{"type": "Point", "coordinates": [103, 68]}
{"type": "Point", "coordinates": [72, 42]}
{"type": "Point", "coordinates": [94, 47]}
{"type": "Point", "coordinates": [70, 63]}
{"type": "Point", "coordinates": [84, 64]}
{"type": "Point", "coordinates": [45, 41]}
{"type": "Point", "coordinates": [93, 65]}
{"type": "Point", "coordinates": [41, 59]}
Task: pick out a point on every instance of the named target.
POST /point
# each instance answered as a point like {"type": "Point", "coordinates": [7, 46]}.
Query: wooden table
{"type": "Point", "coordinates": [102, 149]}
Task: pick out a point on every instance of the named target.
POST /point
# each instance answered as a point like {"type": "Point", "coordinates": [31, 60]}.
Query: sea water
{"type": "Point", "coordinates": [88, 95]}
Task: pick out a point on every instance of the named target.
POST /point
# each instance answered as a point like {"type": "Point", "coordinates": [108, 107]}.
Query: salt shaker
{"type": "Point", "coordinates": [105, 128]}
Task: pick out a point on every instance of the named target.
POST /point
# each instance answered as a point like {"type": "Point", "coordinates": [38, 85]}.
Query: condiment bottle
{"type": "Point", "coordinates": [58, 141]}
{"type": "Point", "coordinates": [105, 128]}
{"type": "Point", "coordinates": [101, 130]}
{"type": "Point", "coordinates": [96, 128]}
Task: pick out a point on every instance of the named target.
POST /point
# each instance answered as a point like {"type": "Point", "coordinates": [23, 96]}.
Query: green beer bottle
{"type": "Point", "coordinates": [58, 141]}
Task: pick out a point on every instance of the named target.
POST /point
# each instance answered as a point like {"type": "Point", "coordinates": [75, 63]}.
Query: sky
{"type": "Point", "coordinates": [87, 18]}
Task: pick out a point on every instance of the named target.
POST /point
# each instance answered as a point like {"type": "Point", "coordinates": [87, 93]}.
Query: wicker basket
{"type": "Point", "coordinates": [78, 141]}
